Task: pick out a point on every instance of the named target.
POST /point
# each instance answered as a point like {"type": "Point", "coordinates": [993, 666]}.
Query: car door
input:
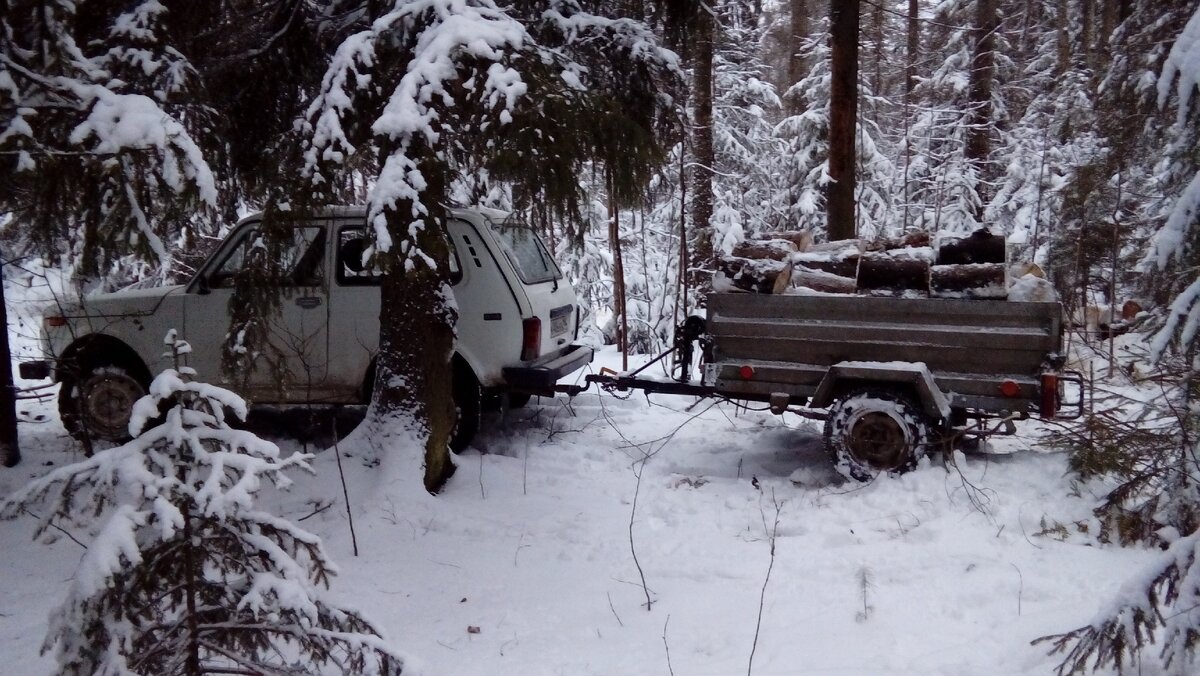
{"type": "Point", "coordinates": [292, 366]}
{"type": "Point", "coordinates": [355, 305]}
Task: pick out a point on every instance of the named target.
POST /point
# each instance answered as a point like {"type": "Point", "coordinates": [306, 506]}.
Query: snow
{"type": "Point", "coordinates": [1032, 288]}
{"type": "Point", "coordinates": [530, 542]}
{"type": "Point", "coordinates": [1183, 62]}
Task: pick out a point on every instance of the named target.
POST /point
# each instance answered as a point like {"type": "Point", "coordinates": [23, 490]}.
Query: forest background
{"type": "Point", "coordinates": [134, 134]}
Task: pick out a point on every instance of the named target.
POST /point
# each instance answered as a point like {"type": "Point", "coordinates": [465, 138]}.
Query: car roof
{"type": "Point", "coordinates": [497, 216]}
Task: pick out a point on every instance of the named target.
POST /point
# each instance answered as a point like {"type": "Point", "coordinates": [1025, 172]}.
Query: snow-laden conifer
{"type": "Point", "coordinates": [95, 166]}
{"type": "Point", "coordinates": [803, 171]}
{"type": "Point", "coordinates": [184, 575]}
{"type": "Point", "coordinates": [1157, 460]}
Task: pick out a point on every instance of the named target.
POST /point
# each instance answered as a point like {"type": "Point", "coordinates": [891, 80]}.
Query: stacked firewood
{"type": "Point", "coordinates": [783, 262]}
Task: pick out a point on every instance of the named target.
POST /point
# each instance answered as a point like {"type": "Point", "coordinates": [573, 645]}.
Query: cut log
{"type": "Point", "coordinates": [842, 263]}
{"type": "Point", "coordinates": [819, 280]}
{"type": "Point", "coordinates": [979, 280]}
{"type": "Point", "coordinates": [755, 275]}
{"type": "Point", "coordinates": [1019, 270]}
{"type": "Point", "coordinates": [980, 247]}
{"type": "Point", "coordinates": [803, 239]}
{"type": "Point", "coordinates": [783, 281]}
{"type": "Point", "coordinates": [880, 274]}
{"type": "Point", "coordinates": [911, 240]}
{"type": "Point", "coordinates": [773, 249]}
{"type": "Point", "coordinates": [840, 245]}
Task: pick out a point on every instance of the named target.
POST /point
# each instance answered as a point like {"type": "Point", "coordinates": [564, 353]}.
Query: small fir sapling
{"type": "Point", "coordinates": [183, 574]}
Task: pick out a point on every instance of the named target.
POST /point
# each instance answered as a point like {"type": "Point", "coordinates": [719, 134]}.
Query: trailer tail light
{"type": "Point", "coordinates": [531, 338]}
{"type": "Point", "coordinates": [1049, 405]}
{"type": "Point", "coordinates": [746, 372]}
{"type": "Point", "coordinates": [1010, 388]}
{"type": "Point", "coordinates": [53, 320]}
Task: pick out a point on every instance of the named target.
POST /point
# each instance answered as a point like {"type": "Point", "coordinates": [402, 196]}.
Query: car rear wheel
{"type": "Point", "coordinates": [468, 401]}
{"type": "Point", "coordinates": [871, 431]}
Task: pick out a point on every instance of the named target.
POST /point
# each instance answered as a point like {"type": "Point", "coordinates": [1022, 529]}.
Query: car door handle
{"type": "Point", "coordinates": [308, 302]}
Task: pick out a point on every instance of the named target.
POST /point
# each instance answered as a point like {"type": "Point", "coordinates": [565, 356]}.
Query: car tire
{"type": "Point", "coordinates": [97, 403]}
{"type": "Point", "coordinates": [468, 402]}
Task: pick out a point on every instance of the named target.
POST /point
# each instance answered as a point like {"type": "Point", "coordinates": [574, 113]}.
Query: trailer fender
{"type": "Point", "coordinates": [915, 376]}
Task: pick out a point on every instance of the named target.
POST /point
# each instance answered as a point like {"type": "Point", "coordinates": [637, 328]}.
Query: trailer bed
{"type": "Point", "coordinates": [969, 346]}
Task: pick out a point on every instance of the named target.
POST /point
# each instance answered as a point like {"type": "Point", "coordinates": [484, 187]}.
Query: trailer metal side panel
{"type": "Point", "coordinates": [970, 346]}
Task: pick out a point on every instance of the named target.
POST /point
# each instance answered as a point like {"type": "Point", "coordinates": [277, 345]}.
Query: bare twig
{"type": "Point", "coordinates": [55, 526]}
{"type": "Point", "coordinates": [345, 492]}
{"type": "Point", "coordinates": [320, 508]}
{"type": "Point", "coordinates": [1020, 586]}
{"type": "Point", "coordinates": [614, 612]}
{"type": "Point", "coordinates": [762, 597]}
{"type": "Point", "coordinates": [667, 647]}
{"type": "Point", "coordinates": [632, 548]}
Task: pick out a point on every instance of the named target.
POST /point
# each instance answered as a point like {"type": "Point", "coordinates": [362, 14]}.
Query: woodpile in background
{"type": "Point", "coordinates": [789, 262]}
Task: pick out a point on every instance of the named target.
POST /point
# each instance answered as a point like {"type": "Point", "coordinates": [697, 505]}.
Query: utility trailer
{"type": "Point", "coordinates": [900, 377]}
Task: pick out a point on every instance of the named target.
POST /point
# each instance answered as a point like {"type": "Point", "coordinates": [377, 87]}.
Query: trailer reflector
{"type": "Point", "coordinates": [1049, 404]}
{"type": "Point", "coordinates": [746, 372]}
{"type": "Point", "coordinates": [1010, 388]}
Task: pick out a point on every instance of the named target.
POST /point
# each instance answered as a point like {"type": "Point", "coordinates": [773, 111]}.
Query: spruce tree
{"type": "Point", "coordinates": [432, 89]}
{"type": "Point", "coordinates": [184, 575]}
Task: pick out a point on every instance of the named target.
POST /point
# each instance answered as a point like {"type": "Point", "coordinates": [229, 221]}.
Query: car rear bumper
{"type": "Point", "coordinates": [540, 375]}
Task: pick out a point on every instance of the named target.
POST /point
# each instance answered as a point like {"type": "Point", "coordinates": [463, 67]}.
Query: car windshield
{"type": "Point", "coordinates": [527, 253]}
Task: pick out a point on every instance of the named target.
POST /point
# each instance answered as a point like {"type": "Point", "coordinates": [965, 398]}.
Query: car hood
{"type": "Point", "coordinates": [125, 303]}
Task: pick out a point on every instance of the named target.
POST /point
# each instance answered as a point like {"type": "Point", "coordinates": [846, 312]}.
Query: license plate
{"type": "Point", "coordinates": [560, 320]}
{"type": "Point", "coordinates": [560, 325]}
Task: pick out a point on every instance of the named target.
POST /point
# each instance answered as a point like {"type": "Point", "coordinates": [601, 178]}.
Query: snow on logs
{"type": "Point", "coordinates": [788, 262]}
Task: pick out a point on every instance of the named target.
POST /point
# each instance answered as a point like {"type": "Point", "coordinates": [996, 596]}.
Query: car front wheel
{"type": "Point", "coordinates": [99, 402]}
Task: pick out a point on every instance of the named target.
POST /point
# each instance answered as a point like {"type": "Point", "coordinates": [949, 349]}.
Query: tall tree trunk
{"type": "Point", "coordinates": [1108, 21]}
{"type": "Point", "coordinates": [910, 83]}
{"type": "Point", "coordinates": [796, 65]}
{"type": "Point", "coordinates": [620, 295]}
{"type": "Point", "coordinates": [914, 45]}
{"type": "Point", "coordinates": [983, 71]}
{"type": "Point", "coordinates": [843, 116]}
{"type": "Point", "coordinates": [1085, 31]}
{"type": "Point", "coordinates": [416, 333]}
{"type": "Point", "coordinates": [877, 39]}
{"type": "Point", "coordinates": [10, 451]}
{"type": "Point", "coordinates": [702, 148]}
{"type": "Point", "coordinates": [1062, 22]}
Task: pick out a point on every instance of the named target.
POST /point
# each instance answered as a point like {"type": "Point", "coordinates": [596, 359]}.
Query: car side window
{"type": "Point", "coordinates": [352, 271]}
{"type": "Point", "coordinates": [301, 258]}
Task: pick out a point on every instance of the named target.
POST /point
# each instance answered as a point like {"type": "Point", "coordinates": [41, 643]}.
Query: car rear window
{"type": "Point", "coordinates": [527, 253]}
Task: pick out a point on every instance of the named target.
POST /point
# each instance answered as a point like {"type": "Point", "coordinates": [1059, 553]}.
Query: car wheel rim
{"type": "Point", "coordinates": [107, 404]}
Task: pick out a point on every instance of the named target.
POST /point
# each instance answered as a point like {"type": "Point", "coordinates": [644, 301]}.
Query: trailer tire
{"type": "Point", "coordinates": [874, 430]}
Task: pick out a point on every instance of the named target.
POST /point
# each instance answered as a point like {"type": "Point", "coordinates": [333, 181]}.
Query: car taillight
{"type": "Point", "coordinates": [53, 320]}
{"type": "Point", "coordinates": [531, 338]}
{"type": "Point", "coordinates": [1049, 405]}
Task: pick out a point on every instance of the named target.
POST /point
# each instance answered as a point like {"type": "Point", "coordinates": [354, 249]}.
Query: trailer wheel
{"type": "Point", "coordinates": [870, 431]}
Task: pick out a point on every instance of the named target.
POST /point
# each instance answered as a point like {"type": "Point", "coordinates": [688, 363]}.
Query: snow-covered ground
{"type": "Point", "coordinates": [523, 565]}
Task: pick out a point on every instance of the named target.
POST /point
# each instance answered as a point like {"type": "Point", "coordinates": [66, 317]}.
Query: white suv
{"type": "Point", "coordinates": [517, 322]}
